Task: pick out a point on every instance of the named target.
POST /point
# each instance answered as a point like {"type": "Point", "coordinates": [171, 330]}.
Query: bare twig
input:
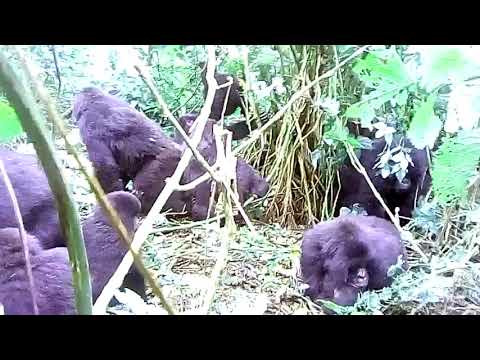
{"type": "Point", "coordinates": [225, 233]}
{"type": "Point", "coordinates": [94, 184]}
{"type": "Point", "coordinates": [147, 224]}
{"type": "Point", "coordinates": [192, 144]}
{"type": "Point", "coordinates": [57, 69]}
{"type": "Point", "coordinates": [23, 236]}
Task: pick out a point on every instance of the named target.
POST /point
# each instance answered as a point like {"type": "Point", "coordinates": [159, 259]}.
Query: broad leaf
{"type": "Point", "coordinates": [425, 126]}
{"type": "Point", "coordinates": [454, 165]}
{"type": "Point", "coordinates": [440, 64]}
{"type": "Point", "coordinates": [10, 126]}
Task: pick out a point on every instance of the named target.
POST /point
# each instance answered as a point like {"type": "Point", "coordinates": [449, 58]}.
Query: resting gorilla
{"type": "Point", "coordinates": [347, 255]}
{"type": "Point", "coordinates": [354, 188]}
{"type": "Point", "coordinates": [119, 139]}
{"type": "Point", "coordinates": [51, 267]}
{"type": "Point", "coordinates": [196, 201]}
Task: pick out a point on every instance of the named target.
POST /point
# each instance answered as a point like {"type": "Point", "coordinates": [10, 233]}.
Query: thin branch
{"type": "Point", "coordinates": [57, 69]}
{"type": "Point", "coordinates": [23, 235]}
{"type": "Point", "coordinates": [359, 167]}
{"type": "Point", "coordinates": [258, 132]}
{"type": "Point", "coordinates": [224, 237]}
{"type": "Point", "coordinates": [146, 227]}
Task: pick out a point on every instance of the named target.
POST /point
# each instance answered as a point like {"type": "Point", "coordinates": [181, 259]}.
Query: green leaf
{"type": "Point", "coordinates": [442, 63]}
{"type": "Point", "coordinates": [401, 98]}
{"type": "Point", "coordinates": [361, 110]}
{"type": "Point", "coordinates": [10, 126]}
{"type": "Point", "coordinates": [457, 156]}
{"type": "Point", "coordinates": [337, 132]}
{"type": "Point", "coordinates": [425, 126]}
{"type": "Point", "coordinates": [384, 66]}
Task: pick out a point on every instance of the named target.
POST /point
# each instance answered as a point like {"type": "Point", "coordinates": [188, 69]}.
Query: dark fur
{"type": "Point", "coordinates": [236, 100]}
{"type": "Point", "coordinates": [105, 249]}
{"type": "Point", "coordinates": [51, 268]}
{"type": "Point", "coordinates": [356, 190]}
{"type": "Point", "coordinates": [119, 139]}
{"type": "Point", "coordinates": [196, 201]}
{"type": "Point", "coordinates": [150, 181]}
{"type": "Point", "coordinates": [234, 97]}
{"type": "Point", "coordinates": [334, 251]}
{"type": "Point", "coordinates": [51, 272]}
{"type": "Point", "coordinates": [36, 201]}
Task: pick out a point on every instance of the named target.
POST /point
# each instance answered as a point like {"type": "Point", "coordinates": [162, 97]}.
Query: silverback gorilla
{"type": "Point", "coordinates": [119, 139]}
{"type": "Point", "coordinates": [35, 199]}
{"type": "Point", "coordinates": [354, 188]}
{"type": "Point", "coordinates": [347, 255]}
{"type": "Point", "coordinates": [51, 267]}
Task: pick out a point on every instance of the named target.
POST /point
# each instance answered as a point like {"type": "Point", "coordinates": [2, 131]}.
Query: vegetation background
{"type": "Point", "coordinates": [429, 93]}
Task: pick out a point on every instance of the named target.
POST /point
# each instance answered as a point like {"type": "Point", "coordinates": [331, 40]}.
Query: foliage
{"type": "Point", "coordinates": [10, 126]}
{"type": "Point", "coordinates": [408, 91]}
{"type": "Point", "coordinates": [458, 156]}
{"type": "Point", "coordinates": [384, 73]}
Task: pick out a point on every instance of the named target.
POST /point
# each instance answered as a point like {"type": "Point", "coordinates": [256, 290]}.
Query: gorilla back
{"type": "Point", "coordinates": [35, 199]}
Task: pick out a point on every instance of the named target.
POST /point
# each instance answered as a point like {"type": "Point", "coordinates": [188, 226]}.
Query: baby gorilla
{"type": "Point", "coordinates": [35, 199]}
{"type": "Point", "coordinates": [119, 139]}
{"type": "Point", "coordinates": [354, 188]}
{"type": "Point", "coordinates": [51, 268]}
{"type": "Point", "coordinates": [347, 255]}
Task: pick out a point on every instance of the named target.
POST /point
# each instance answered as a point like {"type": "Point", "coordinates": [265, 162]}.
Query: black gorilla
{"type": "Point", "coordinates": [119, 139]}
{"type": "Point", "coordinates": [354, 188]}
{"type": "Point", "coordinates": [347, 255]}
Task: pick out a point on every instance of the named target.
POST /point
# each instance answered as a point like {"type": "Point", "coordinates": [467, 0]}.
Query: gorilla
{"type": "Point", "coordinates": [51, 272]}
{"type": "Point", "coordinates": [347, 255]}
{"type": "Point", "coordinates": [35, 199]}
{"type": "Point", "coordinates": [119, 139]}
{"type": "Point", "coordinates": [51, 267]}
{"type": "Point", "coordinates": [355, 190]}
{"type": "Point", "coordinates": [196, 201]}
{"type": "Point", "coordinates": [235, 100]}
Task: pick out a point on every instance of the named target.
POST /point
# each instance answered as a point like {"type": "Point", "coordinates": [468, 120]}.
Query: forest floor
{"type": "Point", "coordinates": [261, 273]}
